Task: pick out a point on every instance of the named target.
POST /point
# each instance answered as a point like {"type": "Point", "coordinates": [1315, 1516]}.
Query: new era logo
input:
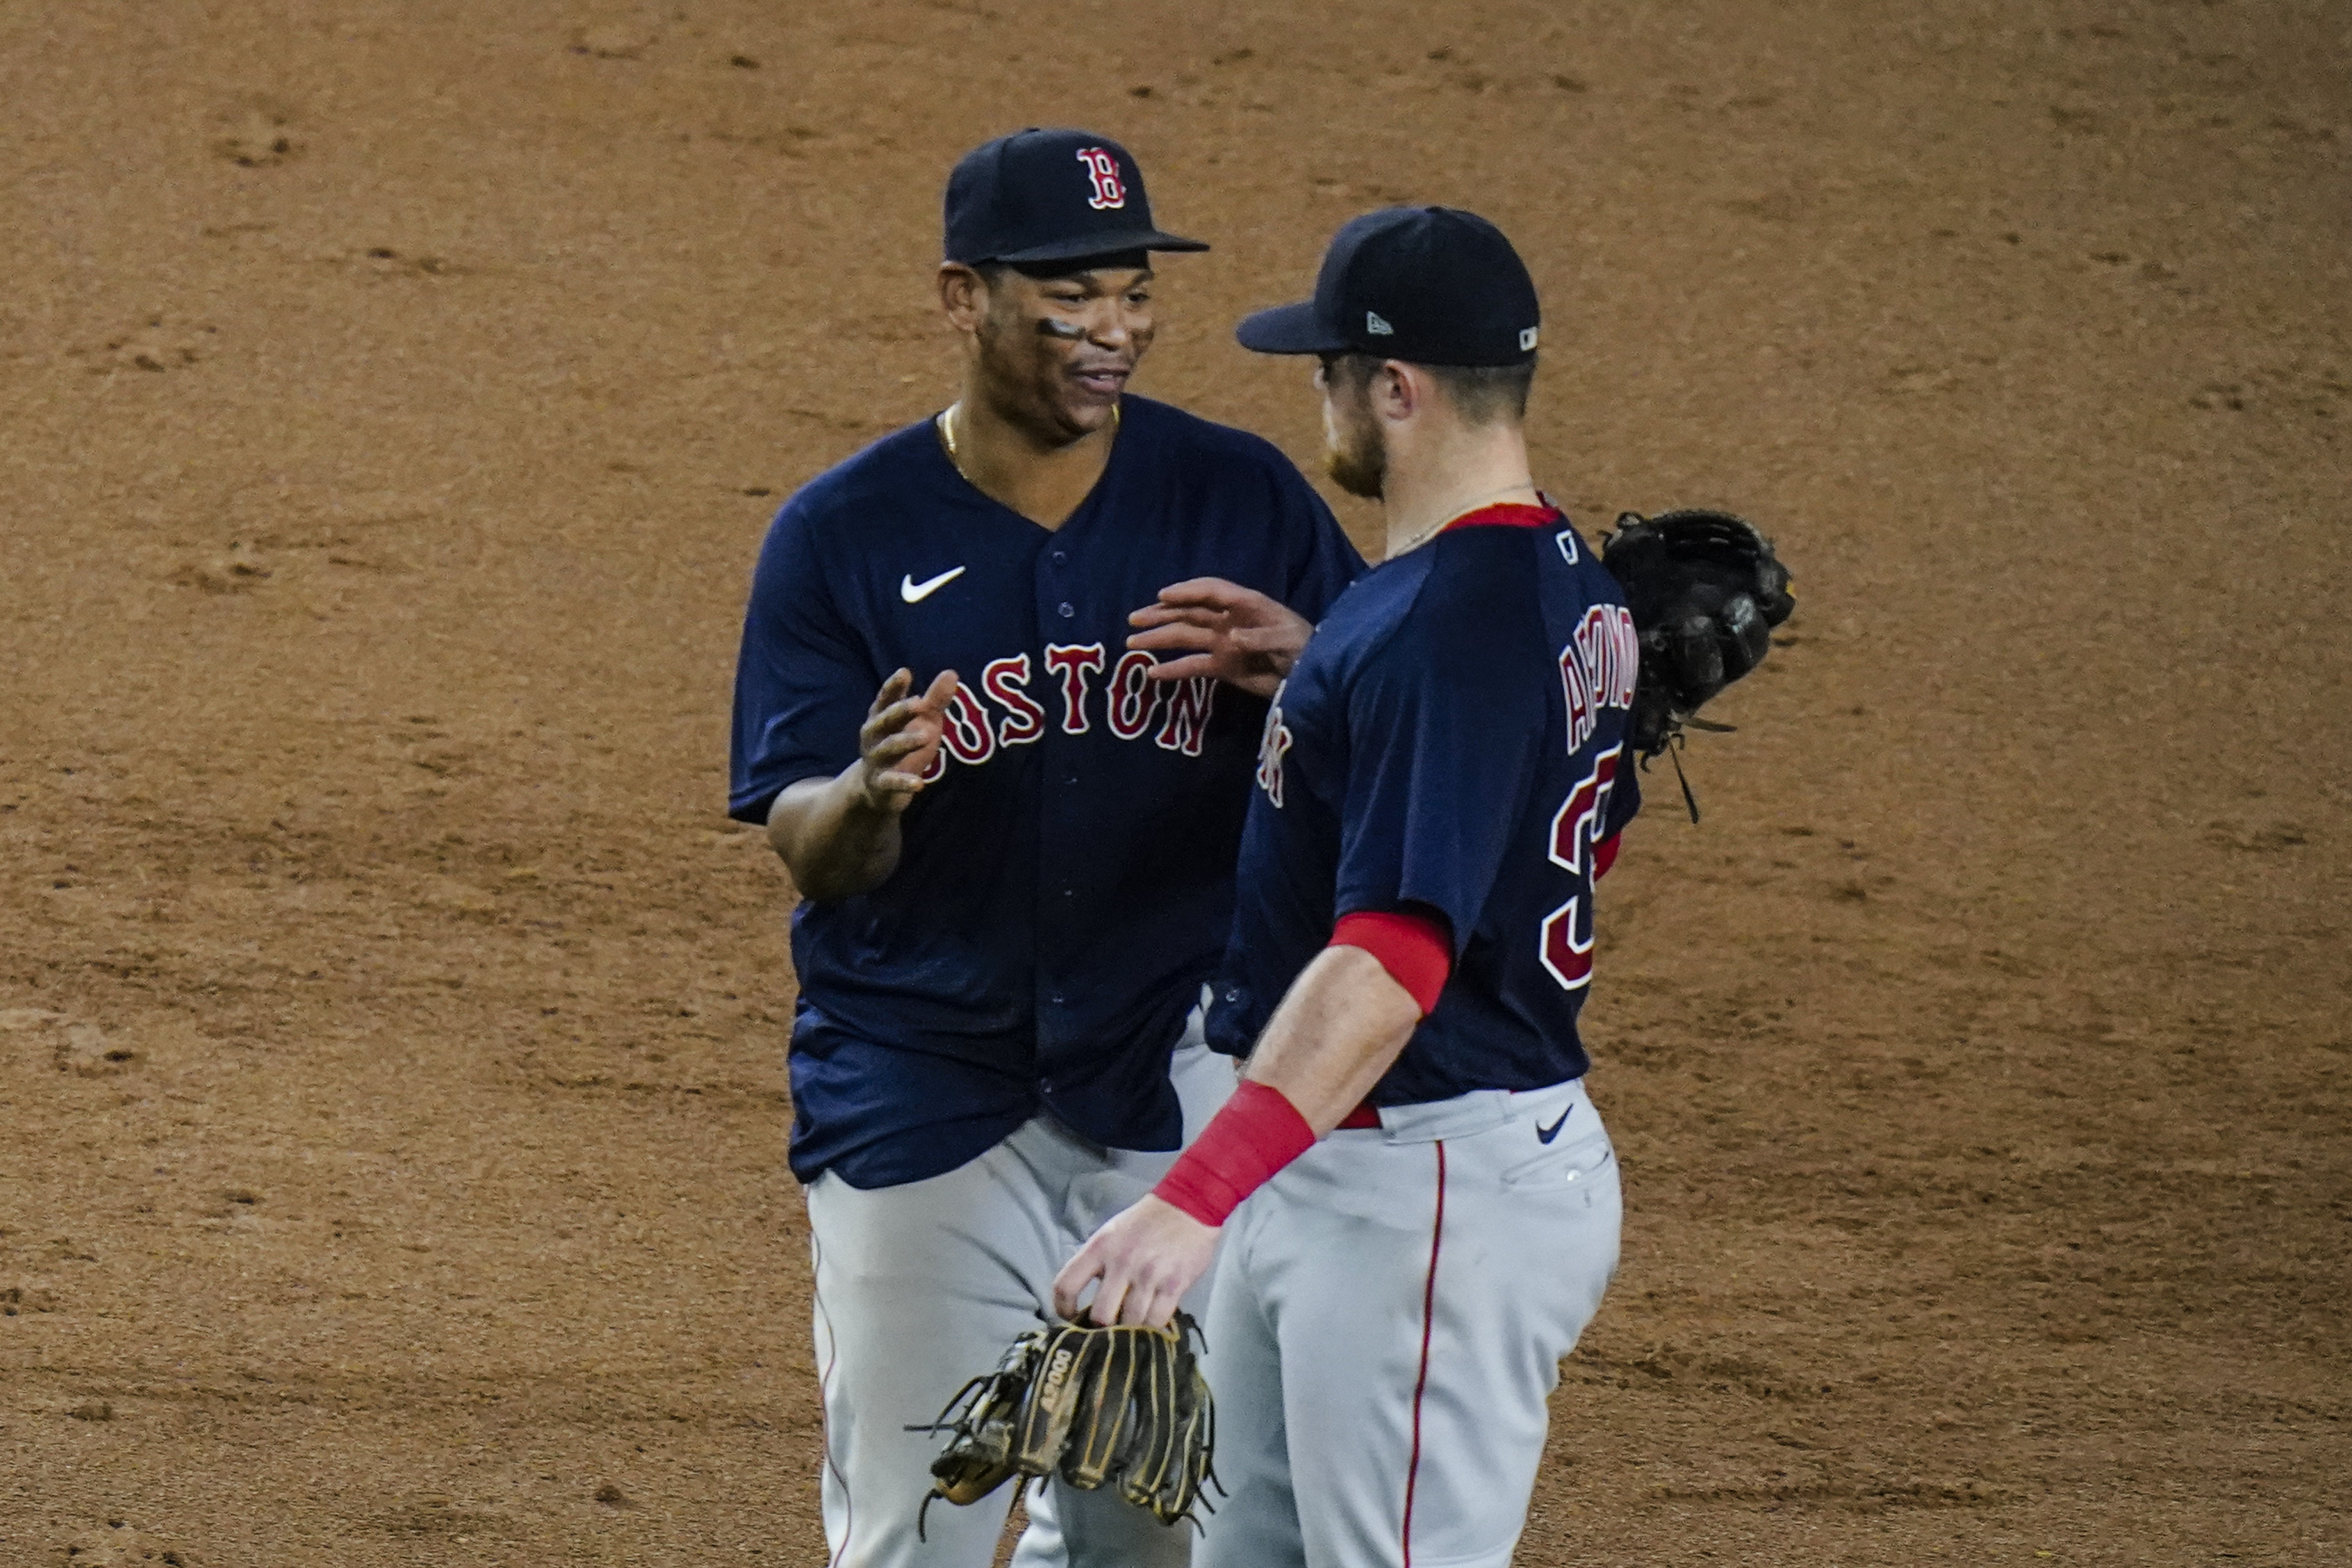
{"type": "Point", "coordinates": [1527, 338]}
{"type": "Point", "coordinates": [1377, 327]}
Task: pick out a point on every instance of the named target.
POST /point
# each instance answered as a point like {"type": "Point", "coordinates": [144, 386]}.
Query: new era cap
{"type": "Point", "coordinates": [1050, 196]}
{"type": "Point", "coordinates": [1431, 285]}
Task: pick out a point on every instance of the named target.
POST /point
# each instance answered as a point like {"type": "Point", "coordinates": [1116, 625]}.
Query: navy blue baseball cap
{"type": "Point", "coordinates": [1431, 285]}
{"type": "Point", "coordinates": [1050, 196]}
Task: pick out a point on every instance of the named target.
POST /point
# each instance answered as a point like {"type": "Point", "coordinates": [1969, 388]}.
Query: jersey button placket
{"type": "Point", "coordinates": [1061, 894]}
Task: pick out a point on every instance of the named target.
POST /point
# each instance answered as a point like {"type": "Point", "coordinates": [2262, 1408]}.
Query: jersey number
{"type": "Point", "coordinates": [1568, 931]}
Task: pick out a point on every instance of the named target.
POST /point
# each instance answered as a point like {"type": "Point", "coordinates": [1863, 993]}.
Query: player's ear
{"type": "Point", "coordinates": [1397, 390]}
{"type": "Point", "coordinates": [963, 295]}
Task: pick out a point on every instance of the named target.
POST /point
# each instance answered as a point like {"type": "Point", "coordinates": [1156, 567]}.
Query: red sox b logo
{"type": "Point", "coordinates": [1103, 169]}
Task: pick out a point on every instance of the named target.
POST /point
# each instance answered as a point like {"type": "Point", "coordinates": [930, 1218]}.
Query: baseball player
{"type": "Point", "coordinates": [1002, 678]}
{"type": "Point", "coordinates": [1432, 1203]}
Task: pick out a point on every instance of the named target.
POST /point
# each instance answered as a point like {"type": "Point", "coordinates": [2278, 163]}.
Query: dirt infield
{"type": "Point", "coordinates": [392, 1100]}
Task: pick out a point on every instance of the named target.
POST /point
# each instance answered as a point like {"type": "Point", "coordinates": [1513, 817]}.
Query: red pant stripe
{"type": "Point", "coordinates": [1428, 1318]}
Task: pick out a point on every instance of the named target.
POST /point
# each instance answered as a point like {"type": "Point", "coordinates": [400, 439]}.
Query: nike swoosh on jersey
{"type": "Point", "coordinates": [915, 593]}
{"type": "Point", "coordinates": [1546, 1134]}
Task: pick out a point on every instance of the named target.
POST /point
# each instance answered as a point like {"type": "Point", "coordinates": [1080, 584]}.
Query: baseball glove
{"type": "Point", "coordinates": [1705, 591]}
{"type": "Point", "coordinates": [1124, 1404]}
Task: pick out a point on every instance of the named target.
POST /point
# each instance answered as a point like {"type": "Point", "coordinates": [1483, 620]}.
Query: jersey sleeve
{"type": "Point", "coordinates": [1440, 753]}
{"type": "Point", "coordinates": [1320, 560]}
{"type": "Point", "coordinates": [804, 680]}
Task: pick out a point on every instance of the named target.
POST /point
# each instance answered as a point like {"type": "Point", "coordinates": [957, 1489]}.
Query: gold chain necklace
{"type": "Point", "coordinates": [945, 423]}
{"type": "Point", "coordinates": [1455, 516]}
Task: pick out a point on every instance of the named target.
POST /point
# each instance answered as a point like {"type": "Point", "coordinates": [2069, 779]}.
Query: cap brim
{"type": "Point", "coordinates": [1289, 329]}
{"type": "Point", "coordinates": [1101, 245]}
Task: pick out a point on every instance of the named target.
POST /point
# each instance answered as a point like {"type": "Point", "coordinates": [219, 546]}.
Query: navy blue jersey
{"type": "Point", "coordinates": [1066, 884]}
{"type": "Point", "coordinates": [1452, 742]}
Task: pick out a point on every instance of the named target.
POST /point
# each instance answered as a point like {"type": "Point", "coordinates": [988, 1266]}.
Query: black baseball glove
{"type": "Point", "coordinates": [1706, 590]}
{"type": "Point", "coordinates": [1124, 1405]}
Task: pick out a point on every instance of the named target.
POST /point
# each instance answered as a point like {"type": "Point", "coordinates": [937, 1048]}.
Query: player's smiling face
{"type": "Point", "coordinates": [1057, 352]}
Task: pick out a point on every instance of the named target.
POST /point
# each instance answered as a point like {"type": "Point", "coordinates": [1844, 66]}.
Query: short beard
{"type": "Point", "coordinates": [1359, 461]}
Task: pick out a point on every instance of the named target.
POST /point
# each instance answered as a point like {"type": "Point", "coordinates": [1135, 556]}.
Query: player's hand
{"type": "Point", "coordinates": [1221, 629]}
{"type": "Point", "coordinates": [1147, 1257]}
{"type": "Point", "coordinates": [900, 738]}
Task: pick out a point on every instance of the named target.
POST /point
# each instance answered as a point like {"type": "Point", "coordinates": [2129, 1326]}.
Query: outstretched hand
{"type": "Point", "coordinates": [1221, 629]}
{"type": "Point", "coordinates": [900, 738]}
{"type": "Point", "coordinates": [1147, 1257]}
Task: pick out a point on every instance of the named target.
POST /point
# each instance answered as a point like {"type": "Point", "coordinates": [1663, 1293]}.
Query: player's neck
{"type": "Point", "coordinates": [1043, 478]}
{"type": "Point", "coordinates": [1438, 474]}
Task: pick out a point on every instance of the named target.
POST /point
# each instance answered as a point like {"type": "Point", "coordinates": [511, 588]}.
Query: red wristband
{"type": "Point", "coordinates": [1257, 1133]}
{"type": "Point", "coordinates": [1412, 948]}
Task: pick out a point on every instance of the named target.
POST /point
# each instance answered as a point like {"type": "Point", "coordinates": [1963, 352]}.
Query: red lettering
{"type": "Point", "coordinates": [1073, 661]}
{"type": "Point", "coordinates": [1590, 653]}
{"type": "Point", "coordinates": [1575, 686]}
{"type": "Point", "coordinates": [1189, 705]}
{"type": "Point", "coordinates": [1272, 747]}
{"type": "Point", "coordinates": [966, 731]}
{"type": "Point", "coordinates": [1629, 657]}
{"type": "Point", "coordinates": [1132, 695]}
{"type": "Point", "coordinates": [1565, 938]}
{"type": "Point", "coordinates": [1007, 681]}
{"type": "Point", "coordinates": [1610, 651]}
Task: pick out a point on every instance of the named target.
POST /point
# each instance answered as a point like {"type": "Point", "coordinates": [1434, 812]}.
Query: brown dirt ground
{"type": "Point", "coordinates": [390, 1026]}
